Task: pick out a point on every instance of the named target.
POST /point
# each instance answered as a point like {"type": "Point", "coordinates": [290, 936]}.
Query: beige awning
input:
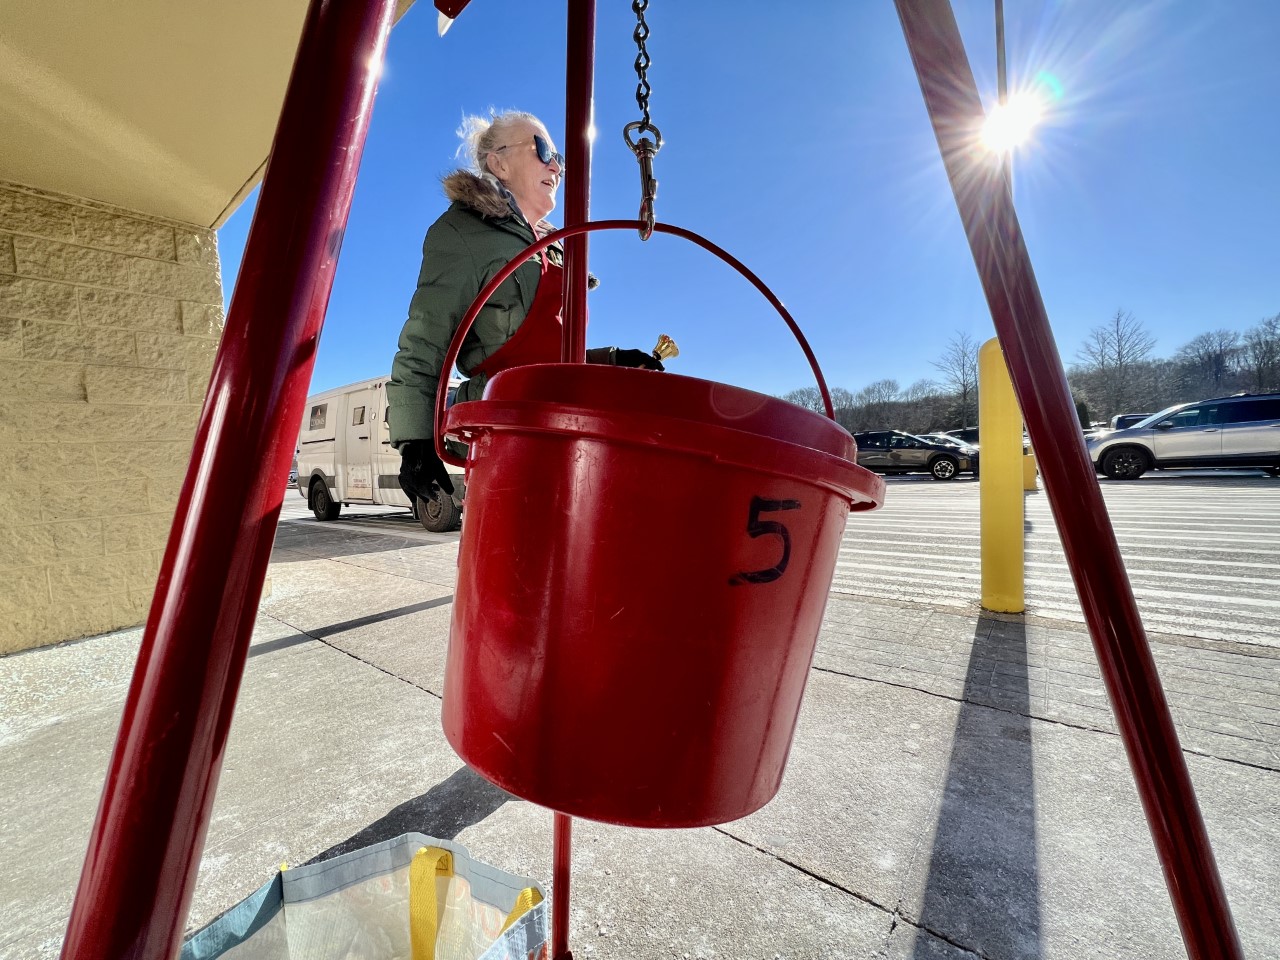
{"type": "Point", "coordinates": [160, 107]}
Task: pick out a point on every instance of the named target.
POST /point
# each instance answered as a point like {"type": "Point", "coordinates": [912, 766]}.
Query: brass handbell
{"type": "Point", "coordinates": [666, 348]}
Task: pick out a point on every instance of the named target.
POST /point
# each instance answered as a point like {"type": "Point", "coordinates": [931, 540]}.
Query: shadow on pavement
{"type": "Point", "coordinates": [982, 886]}
{"type": "Point", "coordinates": [319, 633]}
{"type": "Point", "coordinates": [1204, 478]}
{"type": "Point", "coordinates": [461, 800]}
{"type": "Point", "coordinates": [298, 540]}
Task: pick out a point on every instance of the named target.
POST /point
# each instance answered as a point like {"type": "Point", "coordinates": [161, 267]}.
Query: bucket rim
{"type": "Point", "coordinates": [685, 398]}
{"type": "Point", "coordinates": [740, 449]}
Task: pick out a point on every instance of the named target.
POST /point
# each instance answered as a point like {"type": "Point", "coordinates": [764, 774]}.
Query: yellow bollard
{"type": "Point", "coordinates": [1002, 480]}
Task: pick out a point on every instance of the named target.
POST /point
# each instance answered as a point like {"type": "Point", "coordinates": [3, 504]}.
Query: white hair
{"type": "Point", "coordinates": [482, 135]}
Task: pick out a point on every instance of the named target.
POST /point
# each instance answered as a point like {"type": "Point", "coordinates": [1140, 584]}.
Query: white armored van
{"type": "Point", "coordinates": [345, 457]}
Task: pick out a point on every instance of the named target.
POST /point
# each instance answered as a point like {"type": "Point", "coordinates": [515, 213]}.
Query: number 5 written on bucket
{"type": "Point", "coordinates": [759, 528]}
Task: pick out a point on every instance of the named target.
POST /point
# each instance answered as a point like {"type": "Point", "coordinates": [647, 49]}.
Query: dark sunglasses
{"type": "Point", "coordinates": [545, 153]}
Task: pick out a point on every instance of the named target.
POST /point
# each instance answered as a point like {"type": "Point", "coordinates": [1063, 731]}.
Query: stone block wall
{"type": "Point", "coordinates": [109, 320]}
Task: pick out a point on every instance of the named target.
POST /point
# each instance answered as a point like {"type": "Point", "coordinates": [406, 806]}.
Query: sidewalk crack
{"type": "Point", "coordinates": [1050, 720]}
{"type": "Point", "coordinates": [895, 915]}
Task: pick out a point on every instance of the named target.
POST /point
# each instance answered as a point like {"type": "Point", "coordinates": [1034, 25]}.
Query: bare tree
{"type": "Point", "coordinates": [811, 399]}
{"type": "Point", "coordinates": [1209, 360]}
{"type": "Point", "coordinates": [1114, 353]}
{"type": "Point", "coordinates": [843, 403]}
{"type": "Point", "coordinates": [879, 393]}
{"type": "Point", "coordinates": [808, 397]}
{"type": "Point", "coordinates": [1261, 355]}
{"type": "Point", "coordinates": [921, 391]}
{"type": "Point", "coordinates": [873, 405]}
{"type": "Point", "coordinates": [1114, 373]}
{"type": "Point", "coordinates": [959, 368]}
{"type": "Point", "coordinates": [840, 397]}
{"type": "Point", "coordinates": [924, 408]}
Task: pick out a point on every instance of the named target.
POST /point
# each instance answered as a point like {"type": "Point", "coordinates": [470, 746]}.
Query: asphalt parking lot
{"type": "Point", "coordinates": [1202, 549]}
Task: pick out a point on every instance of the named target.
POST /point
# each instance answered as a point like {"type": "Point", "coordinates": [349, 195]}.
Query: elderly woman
{"type": "Point", "coordinates": [498, 208]}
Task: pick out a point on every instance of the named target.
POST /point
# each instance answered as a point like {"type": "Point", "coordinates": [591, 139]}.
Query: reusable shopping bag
{"type": "Point", "coordinates": [411, 898]}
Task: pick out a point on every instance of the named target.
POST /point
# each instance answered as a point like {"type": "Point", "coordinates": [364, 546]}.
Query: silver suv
{"type": "Point", "coordinates": [1239, 431]}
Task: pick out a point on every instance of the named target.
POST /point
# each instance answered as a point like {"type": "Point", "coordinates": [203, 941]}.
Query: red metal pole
{"type": "Point", "coordinates": [580, 67]}
{"type": "Point", "coordinates": [140, 869]}
{"type": "Point", "coordinates": [1004, 266]}
{"type": "Point", "coordinates": [561, 859]}
{"type": "Point", "coordinates": [579, 91]}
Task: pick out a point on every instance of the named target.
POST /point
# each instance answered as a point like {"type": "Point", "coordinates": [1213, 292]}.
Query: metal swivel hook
{"type": "Point", "coordinates": [645, 150]}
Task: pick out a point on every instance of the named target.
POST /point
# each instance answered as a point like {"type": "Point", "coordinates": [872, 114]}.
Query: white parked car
{"type": "Point", "coordinates": [1238, 431]}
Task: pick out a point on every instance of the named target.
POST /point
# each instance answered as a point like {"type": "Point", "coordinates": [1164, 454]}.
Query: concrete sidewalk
{"type": "Point", "coordinates": [955, 789]}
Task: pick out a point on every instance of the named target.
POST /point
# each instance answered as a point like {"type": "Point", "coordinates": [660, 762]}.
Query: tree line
{"type": "Point", "coordinates": [1113, 372]}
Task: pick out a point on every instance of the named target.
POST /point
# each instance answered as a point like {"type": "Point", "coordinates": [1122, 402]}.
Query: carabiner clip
{"type": "Point", "coordinates": [645, 150]}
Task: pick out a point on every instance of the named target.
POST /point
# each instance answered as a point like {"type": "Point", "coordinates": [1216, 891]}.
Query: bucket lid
{"type": "Point", "coordinates": [644, 392]}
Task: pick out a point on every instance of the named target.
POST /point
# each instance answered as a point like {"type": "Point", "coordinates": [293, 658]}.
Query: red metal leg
{"type": "Point", "coordinates": [1004, 266]}
{"type": "Point", "coordinates": [140, 869]}
{"type": "Point", "coordinates": [560, 863]}
{"type": "Point", "coordinates": [579, 90]}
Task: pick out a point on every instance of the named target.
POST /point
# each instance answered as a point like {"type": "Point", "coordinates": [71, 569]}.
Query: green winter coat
{"type": "Point", "coordinates": [474, 239]}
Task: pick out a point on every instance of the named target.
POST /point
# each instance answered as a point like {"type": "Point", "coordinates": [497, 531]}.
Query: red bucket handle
{"type": "Point", "coordinates": [451, 357]}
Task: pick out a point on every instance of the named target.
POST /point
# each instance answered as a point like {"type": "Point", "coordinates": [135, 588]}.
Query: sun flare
{"type": "Point", "coordinates": [1010, 124]}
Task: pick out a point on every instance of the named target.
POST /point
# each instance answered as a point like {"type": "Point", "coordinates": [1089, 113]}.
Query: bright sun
{"type": "Point", "coordinates": [1010, 124]}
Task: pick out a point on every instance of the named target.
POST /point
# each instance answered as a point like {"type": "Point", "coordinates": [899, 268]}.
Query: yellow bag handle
{"type": "Point", "coordinates": [425, 910]}
{"type": "Point", "coordinates": [526, 900]}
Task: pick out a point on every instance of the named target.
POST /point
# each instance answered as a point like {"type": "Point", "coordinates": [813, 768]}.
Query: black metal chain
{"type": "Point", "coordinates": [643, 89]}
{"type": "Point", "coordinates": [644, 148]}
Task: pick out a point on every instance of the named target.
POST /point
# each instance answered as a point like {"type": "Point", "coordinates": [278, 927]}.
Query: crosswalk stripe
{"type": "Point", "coordinates": [1203, 564]}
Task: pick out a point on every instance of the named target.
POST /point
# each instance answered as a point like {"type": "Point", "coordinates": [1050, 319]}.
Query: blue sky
{"type": "Point", "coordinates": [796, 138]}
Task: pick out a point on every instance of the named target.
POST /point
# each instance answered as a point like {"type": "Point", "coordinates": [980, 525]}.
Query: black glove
{"type": "Point", "coordinates": [637, 358]}
{"type": "Point", "coordinates": [419, 468]}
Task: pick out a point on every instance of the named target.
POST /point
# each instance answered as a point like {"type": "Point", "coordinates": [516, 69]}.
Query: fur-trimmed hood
{"type": "Point", "coordinates": [480, 195]}
{"type": "Point", "coordinates": [463, 186]}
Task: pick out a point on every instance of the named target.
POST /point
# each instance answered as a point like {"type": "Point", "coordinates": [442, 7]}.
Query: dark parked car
{"type": "Point", "coordinates": [967, 435]}
{"type": "Point", "coordinates": [892, 451]}
{"type": "Point", "coordinates": [1122, 421]}
{"type": "Point", "coordinates": [1239, 431]}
